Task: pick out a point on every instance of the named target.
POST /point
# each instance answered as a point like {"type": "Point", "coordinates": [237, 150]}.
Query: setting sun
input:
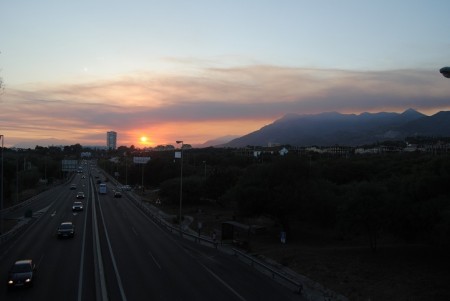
{"type": "Point", "coordinates": [144, 139]}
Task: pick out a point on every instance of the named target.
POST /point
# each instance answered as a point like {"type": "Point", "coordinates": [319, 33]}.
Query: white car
{"type": "Point", "coordinates": [77, 206]}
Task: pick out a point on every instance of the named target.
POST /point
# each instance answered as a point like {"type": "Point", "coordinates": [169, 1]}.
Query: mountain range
{"type": "Point", "coordinates": [334, 128]}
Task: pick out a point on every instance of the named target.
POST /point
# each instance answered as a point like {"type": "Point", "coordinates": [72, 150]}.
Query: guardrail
{"type": "Point", "coordinates": [307, 288]}
{"type": "Point", "coordinates": [13, 232]}
{"type": "Point", "coordinates": [268, 269]}
{"type": "Point", "coordinates": [161, 221]}
{"type": "Point", "coordinates": [7, 236]}
{"type": "Point", "coordinates": [17, 229]}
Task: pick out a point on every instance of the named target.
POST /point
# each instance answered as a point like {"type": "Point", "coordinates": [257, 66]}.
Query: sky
{"type": "Point", "coordinates": [203, 69]}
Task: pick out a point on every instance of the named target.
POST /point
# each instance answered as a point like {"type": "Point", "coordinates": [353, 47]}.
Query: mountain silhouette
{"type": "Point", "coordinates": [332, 128]}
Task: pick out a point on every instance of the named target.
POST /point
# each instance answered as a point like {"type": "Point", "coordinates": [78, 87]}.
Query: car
{"type": "Point", "coordinates": [77, 206]}
{"type": "Point", "coordinates": [80, 195]}
{"type": "Point", "coordinates": [66, 229]}
{"type": "Point", "coordinates": [126, 188]}
{"type": "Point", "coordinates": [117, 194]}
{"type": "Point", "coordinates": [21, 274]}
{"type": "Point", "coordinates": [73, 186]}
{"type": "Point", "coordinates": [83, 177]}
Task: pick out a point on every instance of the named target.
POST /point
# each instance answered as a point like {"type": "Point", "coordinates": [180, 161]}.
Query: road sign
{"type": "Point", "coordinates": [69, 165]}
{"type": "Point", "coordinates": [141, 160]}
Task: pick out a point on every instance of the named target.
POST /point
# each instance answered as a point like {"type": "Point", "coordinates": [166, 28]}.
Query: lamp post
{"type": "Point", "coordinates": [126, 171]}
{"type": "Point", "coordinates": [1, 187]}
{"type": "Point", "coordinates": [181, 183]}
{"type": "Point", "coordinates": [445, 71]}
{"type": "Point", "coordinates": [142, 178]}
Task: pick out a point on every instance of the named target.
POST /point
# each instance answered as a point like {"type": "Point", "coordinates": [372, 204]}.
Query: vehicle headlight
{"type": "Point", "coordinates": [27, 280]}
{"type": "Point", "coordinates": [10, 282]}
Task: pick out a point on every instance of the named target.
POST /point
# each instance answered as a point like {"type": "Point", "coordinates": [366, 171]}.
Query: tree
{"type": "Point", "coordinates": [366, 208]}
{"type": "Point", "coordinates": [276, 189]}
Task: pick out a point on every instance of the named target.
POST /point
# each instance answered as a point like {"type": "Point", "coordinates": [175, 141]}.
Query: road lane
{"type": "Point", "coordinates": [141, 260]}
{"type": "Point", "coordinates": [156, 264]}
{"type": "Point", "coordinates": [58, 261]}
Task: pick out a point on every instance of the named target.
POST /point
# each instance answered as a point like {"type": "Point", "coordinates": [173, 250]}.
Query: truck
{"type": "Point", "coordinates": [102, 188]}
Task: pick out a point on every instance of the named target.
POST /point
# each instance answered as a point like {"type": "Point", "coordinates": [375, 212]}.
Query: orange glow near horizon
{"type": "Point", "coordinates": [190, 132]}
{"type": "Point", "coordinates": [144, 141]}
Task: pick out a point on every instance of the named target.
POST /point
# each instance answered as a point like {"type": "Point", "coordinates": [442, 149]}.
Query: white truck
{"type": "Point", "coordinates": [102, 188]}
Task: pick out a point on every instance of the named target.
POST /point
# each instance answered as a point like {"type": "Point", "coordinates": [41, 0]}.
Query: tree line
{"type": "Point", "coordinates": [401, 195]}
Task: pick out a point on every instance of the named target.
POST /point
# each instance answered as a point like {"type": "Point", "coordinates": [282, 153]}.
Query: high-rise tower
{"type": "Point", "coordinates": [111, 139]}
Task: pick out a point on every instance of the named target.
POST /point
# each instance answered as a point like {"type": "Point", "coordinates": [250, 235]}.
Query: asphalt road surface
{"type": "Point", "coordinates": [119, 253]}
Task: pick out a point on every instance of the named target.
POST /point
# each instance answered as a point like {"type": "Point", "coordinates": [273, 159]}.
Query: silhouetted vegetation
{"type": "Point", "coordinates": [402, 196]}
{"type": "Point", "coordinates": [405, 196]}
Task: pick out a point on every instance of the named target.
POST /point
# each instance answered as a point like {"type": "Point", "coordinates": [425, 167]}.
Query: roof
{"type": "Point", "coordinates": [237, 225]}
{"type": "Point", "coordinates": [23, 261]}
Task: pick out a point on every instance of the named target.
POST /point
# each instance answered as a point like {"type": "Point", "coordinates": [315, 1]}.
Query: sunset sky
{"type": "Point", "coordinates": [201, 69]}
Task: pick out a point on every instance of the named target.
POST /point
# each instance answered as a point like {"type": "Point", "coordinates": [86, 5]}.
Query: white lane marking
{"type": "Point", "coordinates": [39, 262]}
{"type": "Point", "coordinates": [54, 213]}
{"type": "Point", "coordinates": [80, 277]}
{"type": "Point", "coordinates": [154, 259]}
{"type": "Point", "coordinates": [134, 230]}
{"type": "Point", "coordinates": [116, 270]}
{"type": "Point", "coordinates": [98, 261]}
{"type": "Point", "coordinates": [223, 282]}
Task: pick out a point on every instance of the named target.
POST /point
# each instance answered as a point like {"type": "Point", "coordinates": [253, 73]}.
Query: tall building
{"type": "Point", "coordinates": [111, 140]}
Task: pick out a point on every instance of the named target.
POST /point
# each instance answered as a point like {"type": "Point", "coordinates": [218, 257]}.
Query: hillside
{"type": "Point", "coordinates": [334, 128]}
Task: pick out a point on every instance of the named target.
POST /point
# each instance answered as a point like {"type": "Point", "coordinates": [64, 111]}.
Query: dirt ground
{"type": "Point", "coordinates": [394, 272]}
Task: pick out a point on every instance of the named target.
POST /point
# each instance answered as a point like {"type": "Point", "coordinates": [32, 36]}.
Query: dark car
{"type": "Point", "coordinates": [22, 273]}
{"type": "Point", "coordinates": [80, 195]}
{"type": "Point", "coordinates": [117, 194]}
{"type": "Point", "coordinates": [66, 229]}
{"type": "Point", "coordinates": [73, 187]}
{"type": "Point", "coordinates": [77, 206]}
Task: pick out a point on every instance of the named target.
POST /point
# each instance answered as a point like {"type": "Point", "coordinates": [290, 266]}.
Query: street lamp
{"type": "Point", "coordinates": [445, 71]}
{"type": "Point", "coordinates": [126, 171]}
{"type": "Point", "coordinates": [181, 184]}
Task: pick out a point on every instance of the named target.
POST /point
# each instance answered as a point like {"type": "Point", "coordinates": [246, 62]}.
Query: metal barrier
{"type": "Point", "coordinates": [161, 221]}
{"type": "Point", "coordinates": [156, 218]}
{"type": "Point", "coordinates": [274, 273]}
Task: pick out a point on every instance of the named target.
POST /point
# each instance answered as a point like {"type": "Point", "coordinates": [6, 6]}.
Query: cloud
{"type": "Point", "coordinates": [211, 102]}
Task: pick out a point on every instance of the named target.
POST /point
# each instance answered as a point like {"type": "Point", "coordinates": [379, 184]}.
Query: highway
{"type": "Point", "coordinates": [120, 253]}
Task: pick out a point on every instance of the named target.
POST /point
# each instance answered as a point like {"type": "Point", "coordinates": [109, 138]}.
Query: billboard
{"type": "Point", "coordinates": [141, 160]}
{"type": "Point", "coordinates": [69, 165]}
